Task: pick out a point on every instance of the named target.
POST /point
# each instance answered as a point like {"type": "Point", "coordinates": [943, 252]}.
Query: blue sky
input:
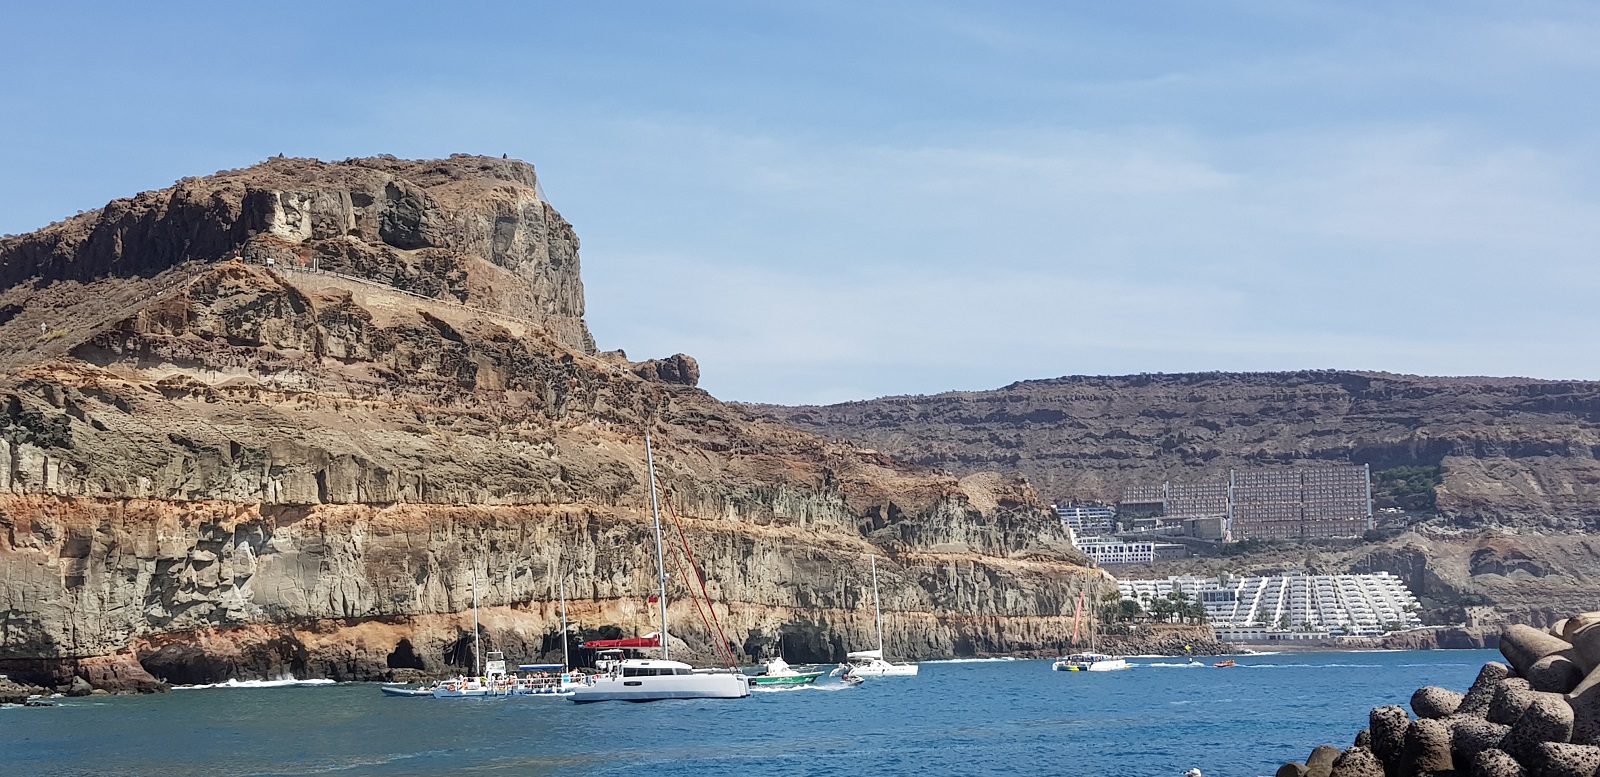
{"type": "Point", "coordinates": [829, 201]}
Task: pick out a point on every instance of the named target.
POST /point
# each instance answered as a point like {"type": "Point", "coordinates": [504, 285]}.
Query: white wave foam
{"type": "Point", "coordinates": [288, 683]}
{"type": "Point", "coordinates": [1175, 666]}
{"type": "Point", "coordinates": [806, 687]}
{"type": "Point", "coordinates": [972, 660]}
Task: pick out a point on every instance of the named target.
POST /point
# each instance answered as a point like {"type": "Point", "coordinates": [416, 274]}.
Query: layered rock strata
{"type": "Point", "coordinates": [1536, 715]}
{"type": "Point", "coordinates": [287, 420]}
{"type": "Point", "coordinates": [1509, 449]}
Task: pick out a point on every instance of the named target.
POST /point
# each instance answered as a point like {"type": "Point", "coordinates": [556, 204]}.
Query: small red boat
{"type": "Point", "coordinates": [1224, 664]}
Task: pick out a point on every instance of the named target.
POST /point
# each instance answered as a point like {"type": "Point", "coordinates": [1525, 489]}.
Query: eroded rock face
{"type": "Point", "coordinates": [245, 470]}
{"type": "Point", "coordinates": [1509, 448]}
{"type": "Point", "coordinates": [467, 229]}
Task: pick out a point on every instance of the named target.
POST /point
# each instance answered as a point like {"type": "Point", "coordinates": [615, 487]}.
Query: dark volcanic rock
{"type": "Point", "coordinates": [12, 692]}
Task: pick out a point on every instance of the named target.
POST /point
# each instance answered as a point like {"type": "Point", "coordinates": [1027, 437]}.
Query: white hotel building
{"type": "Point", "coordinates": [1292, 607]}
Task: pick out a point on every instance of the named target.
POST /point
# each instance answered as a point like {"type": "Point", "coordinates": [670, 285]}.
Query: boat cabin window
{"type": "Point", "coordinates": [639, 671]}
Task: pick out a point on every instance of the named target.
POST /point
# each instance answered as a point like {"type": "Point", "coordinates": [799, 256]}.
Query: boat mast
{"type": "Point", "coordinates": [565, 663]}
{"type": "Point", "coordinates": [661, 561]}
{"type": "Point", "coordinates": [477, 668]}
{"type": "Point", "coordinates": [877, 609]}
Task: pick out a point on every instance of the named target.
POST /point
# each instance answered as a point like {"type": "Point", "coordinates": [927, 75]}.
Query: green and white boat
{"type": "Point", "coordinates": [780, 673]}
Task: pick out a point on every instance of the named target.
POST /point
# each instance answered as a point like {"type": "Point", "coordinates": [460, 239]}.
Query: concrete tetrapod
{"type": "Point", "coordinates": [1472, 735]}
{"type": "Point", "coordinates": [1482, 692]}
{"type": "Point", "coordinates": [1524, 645]}
{"type": "Point", "coordinates": [1388, 726]}
{"type": "Point", "coordinates": [1585, 636]}
{"type": "Point", "coordinates": [1320, 763]}
{"type": "Point", "coordinates": [1435, 702]}
{"type": "Point", "coordinates": [1357, 762]}
{"type": "Point", "coordinates": [1560, 759]}
{"type": "Point", "coordinates": [1556, 673]}
{"type": "Point", "coordinates": [1427, 748]}
{"type": "Point", "coordinates": [1547, 719]}
{"type": "Point", "coordinates": [1585, 701]}
{"type": "Point", "coordinates": [1534, 718]}
{"type": "Point", "coordinates": [1496, 763]}
{"type": "Point", "coordinates": [1511, 699]}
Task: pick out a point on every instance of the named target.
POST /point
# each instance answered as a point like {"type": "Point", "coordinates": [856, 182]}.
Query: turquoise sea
{"type": "Point", "coordinates": [956, 718]}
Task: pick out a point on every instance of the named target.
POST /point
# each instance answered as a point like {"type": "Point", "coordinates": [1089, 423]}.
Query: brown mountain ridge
{"type": "Point", "coordinates": [285, 420]}
{"type": "Point", "coordinates": [1517, 500]}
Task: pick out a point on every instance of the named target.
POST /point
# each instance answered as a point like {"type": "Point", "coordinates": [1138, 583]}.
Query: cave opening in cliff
{"type": "Point", "coordinates": [404, 656]}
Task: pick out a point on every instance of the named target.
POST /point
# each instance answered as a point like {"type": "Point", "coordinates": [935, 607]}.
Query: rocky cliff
{"type": "Point", "coordinates": [285, 420]}
{"type": "Point", "coordinates": [1519, 492]}
{"type": "Point", "coordinates": [1508, 448]}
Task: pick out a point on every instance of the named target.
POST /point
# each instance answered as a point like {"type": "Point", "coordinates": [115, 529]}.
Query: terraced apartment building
{"type": "Point", "coordinates": [1291, 607]}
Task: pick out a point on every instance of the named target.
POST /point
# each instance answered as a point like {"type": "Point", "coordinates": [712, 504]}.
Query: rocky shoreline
{"type": "Point", "coordinates": [1537, 715]}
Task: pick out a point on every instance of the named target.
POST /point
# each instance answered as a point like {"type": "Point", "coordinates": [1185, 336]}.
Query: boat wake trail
{"type": "Point", "coordinates": [795, 688]}
{"type": "Point", "coordinates": [289, 683]}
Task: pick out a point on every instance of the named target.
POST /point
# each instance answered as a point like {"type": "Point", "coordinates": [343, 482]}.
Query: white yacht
{"type": "Point", "coordinates": [870, 663]}
{"type": "Point", "coordinates": [654, 679]}
{"type": "Point", "coordinates": [1089, 662]}
{"type": "Point", "coordinates": [648, 679]}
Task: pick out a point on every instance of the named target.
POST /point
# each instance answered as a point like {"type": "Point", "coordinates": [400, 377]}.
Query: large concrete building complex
{"type": "Point", "coordinates": [1110, 550]}
{"type": "Point", "coordinates": [1268, 503]}
{"type": "Point", "coordinates": [1088, 520]}
{"type": "Point", "coordinates": [1291, 607]}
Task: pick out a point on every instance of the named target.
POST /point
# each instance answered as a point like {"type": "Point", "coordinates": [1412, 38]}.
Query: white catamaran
{"type": "Point", "coordinates": [870, 663]}
{"type": "Point", "coordinates": [1089, 661]}
{"type": "Point", "coordinates": [645, 679]}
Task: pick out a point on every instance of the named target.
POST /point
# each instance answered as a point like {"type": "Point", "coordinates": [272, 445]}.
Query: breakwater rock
{"type": "Point", "coordinates": [1537, 715]}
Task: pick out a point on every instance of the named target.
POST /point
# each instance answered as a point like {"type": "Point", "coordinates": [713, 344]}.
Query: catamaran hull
{"type": "Point", "coordinates": [692, 686]}
{"type": "Point", "coordinates": [887, 670]}
{"type": "Point", "coordinates": [1098, 666]}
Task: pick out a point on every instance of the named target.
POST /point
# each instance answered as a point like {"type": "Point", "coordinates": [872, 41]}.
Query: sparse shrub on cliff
{"type": "Point", "coordinates": [1413, 489]}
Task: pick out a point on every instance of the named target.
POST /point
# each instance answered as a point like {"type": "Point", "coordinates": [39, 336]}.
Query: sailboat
{"type": "Point", "coordinates": [1090, 661]}
{"type": "Point", "coordinates": [870, 663]}
{"type": "Point", "coordinates": [539, 682]}
{"type": "Point", "coordinates": [487, 680]}
{"type": "Point", "coordinates": [646, 679]}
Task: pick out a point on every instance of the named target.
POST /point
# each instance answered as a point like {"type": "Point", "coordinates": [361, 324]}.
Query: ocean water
{"type": "Point", "coordinates": [957, 718]}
